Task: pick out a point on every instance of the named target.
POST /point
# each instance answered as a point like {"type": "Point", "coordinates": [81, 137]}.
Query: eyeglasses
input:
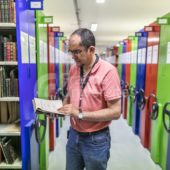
{"type": "Point", "coordinates": [74, 52]}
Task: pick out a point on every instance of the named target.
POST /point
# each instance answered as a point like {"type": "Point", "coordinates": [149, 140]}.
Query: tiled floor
{"type": "Point", "coordinates": [127, 153]}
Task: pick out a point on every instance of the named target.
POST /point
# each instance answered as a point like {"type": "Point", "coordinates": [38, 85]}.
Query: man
{"type": "Point", "coordinates": [93, 100]}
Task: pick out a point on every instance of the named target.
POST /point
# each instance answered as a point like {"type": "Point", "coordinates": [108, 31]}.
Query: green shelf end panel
{"type": "Point", "coordinates": [156, 130]}
{"type": "Point", "coordinates": [42, 82]}
{"type": "Point", "coordinates": [133, 68]}
{"type": "Point", "coordinates": [163, 90]}
{"type": "Point", "coordinates": [164, 149]}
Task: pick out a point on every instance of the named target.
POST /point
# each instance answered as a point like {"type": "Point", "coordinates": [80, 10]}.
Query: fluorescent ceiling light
{"type": "Point", "coordinates": [100, 1]}
{"type": "Point", "coordinates": [93, 27]}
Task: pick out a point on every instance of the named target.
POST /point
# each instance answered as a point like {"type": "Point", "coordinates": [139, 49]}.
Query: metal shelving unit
{"type": "Point", "coordinates": [9, 99]}
{"type": "Point", "coordinates": [16, 165]}
{"type": "Point", "coordinates": [7, 25]}
{"type": "Point", "coordinates": [10, 130]}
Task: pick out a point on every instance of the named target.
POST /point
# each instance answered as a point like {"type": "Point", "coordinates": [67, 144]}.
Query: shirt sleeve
{"type": "Point", "coordinates": [111, 85]}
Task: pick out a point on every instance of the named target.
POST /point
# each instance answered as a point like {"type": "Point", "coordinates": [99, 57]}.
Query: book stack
{"type": "Point", "coordinates": [7, 150]}
{"type": "Point", "coordinates": [9, 82]}
{"type": "Point", "coordinates": [7, 48]}
{"type": "Point", "coordinates": [7, 11]}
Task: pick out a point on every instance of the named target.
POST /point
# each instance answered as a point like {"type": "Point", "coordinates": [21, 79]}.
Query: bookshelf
{"type": "Point", "coordinates": [10, 133]}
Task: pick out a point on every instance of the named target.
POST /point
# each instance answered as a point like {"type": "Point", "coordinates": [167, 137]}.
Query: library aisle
{"type": "Point", "coordinates": [127, 153]}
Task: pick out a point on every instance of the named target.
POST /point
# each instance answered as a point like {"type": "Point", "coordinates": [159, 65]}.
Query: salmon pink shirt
{"type": "Point", "coordinates": [103, 85]}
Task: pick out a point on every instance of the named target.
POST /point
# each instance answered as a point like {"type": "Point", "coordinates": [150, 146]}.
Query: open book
{"type": "Point", "coordinates": [47, 106]}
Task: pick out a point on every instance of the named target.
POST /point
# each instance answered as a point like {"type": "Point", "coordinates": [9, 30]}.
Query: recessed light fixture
{"type": "Point", "coordinates": [100, 1]}
{"type": "Point", "coordinates": [93, 27]}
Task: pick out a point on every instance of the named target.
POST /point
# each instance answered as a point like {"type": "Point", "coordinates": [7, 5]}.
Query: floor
{"type": "Point", "coordinates": [127, 153]}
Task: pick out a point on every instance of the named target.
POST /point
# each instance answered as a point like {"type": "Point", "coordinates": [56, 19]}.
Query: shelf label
{"type": "Point", "coordinates": [24, 47]}
{"type": "Point", "coordinates": [148, 28]}
{"type": "Point", "coordinates": [47, 20]}
{"type": "Point", "coordinates": [35, 4]}
{"type": "Point", "coordinates": [56, 29]}
{"type": "Point", "coordinates": [59, 34]}
{"type": "Point", "coordinates": [163, 21]}
{"type": "Point", "coordinates": [138, 34]}
{"type": "Point", "coordinates": [32, 49]}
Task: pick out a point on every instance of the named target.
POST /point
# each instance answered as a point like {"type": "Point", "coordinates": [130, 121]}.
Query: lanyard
{"type": "Point", "coordinates": [83, 83]}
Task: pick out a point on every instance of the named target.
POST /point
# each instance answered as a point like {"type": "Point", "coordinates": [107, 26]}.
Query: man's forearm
{"type": "Point", "coordinates": [102, 115]}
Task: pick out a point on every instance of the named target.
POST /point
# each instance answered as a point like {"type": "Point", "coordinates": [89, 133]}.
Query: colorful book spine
{"type": "Point", "coordinates": [7, 49]}
{"type": "Point", "coordinates": [7, 11]}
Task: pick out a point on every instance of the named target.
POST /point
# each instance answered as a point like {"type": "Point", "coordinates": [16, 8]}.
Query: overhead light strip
{"type": "Point", "coordinates": [100, 1]}
{"type": "Point", "coordinates": [94, 27]}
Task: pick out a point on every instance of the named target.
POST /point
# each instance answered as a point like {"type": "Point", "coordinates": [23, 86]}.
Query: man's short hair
{"type": "Point", "coordinates": [87, 37]}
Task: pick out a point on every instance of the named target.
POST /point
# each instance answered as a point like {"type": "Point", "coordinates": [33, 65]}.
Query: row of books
{"type": "Point", "coordinates": [9, 82]}
{"type": "Point", "coordinates": [7, 49]}
{"type": "Point", "coordinates": [7, 11]}
{"type": "Point", "coordinates": [9, 112]}
{"type": "Point", "coordinates": [8, 150]}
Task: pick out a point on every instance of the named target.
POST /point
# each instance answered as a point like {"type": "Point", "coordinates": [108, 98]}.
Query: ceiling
{"type": "Point", "coordinates": [116, 19]}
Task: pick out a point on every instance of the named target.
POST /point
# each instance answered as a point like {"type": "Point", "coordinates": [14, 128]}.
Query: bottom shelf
{"type": "Point", "coordinates": [16, 165]}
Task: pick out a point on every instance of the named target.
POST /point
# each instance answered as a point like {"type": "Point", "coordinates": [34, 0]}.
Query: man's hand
{"type": "Point", "coordinates": [69, 110]}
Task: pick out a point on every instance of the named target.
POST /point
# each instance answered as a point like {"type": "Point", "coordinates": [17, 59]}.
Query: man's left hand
{"type": "Point", "coordinates": [69, 110]}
